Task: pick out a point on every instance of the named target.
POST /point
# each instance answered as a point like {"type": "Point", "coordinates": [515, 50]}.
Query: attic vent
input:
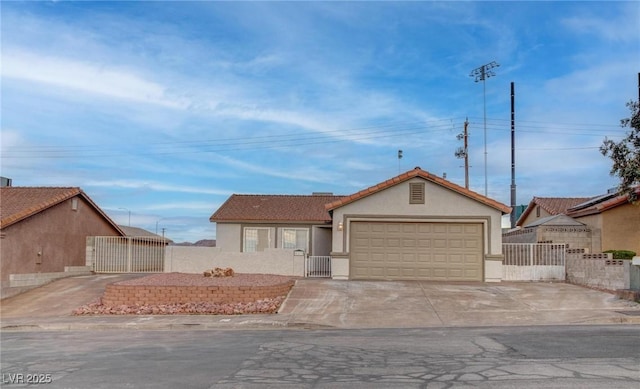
{"type": "Point", "coordinates": [416, 193]}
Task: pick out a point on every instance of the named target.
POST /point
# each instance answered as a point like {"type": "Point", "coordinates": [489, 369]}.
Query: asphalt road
{"type": "Point", "coordinates": [505, 357]}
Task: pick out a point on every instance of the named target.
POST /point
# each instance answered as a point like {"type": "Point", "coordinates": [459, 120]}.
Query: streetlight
{"type": "Point", "coordinates": [129, 215]}
{"type": "Point", "coordinates": [481, 73]}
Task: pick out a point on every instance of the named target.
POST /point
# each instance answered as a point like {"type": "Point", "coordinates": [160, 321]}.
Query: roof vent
{"type": "Point", "coordinates": [322, 194]}
{"type": "Point", "coordinates": [4, 181]}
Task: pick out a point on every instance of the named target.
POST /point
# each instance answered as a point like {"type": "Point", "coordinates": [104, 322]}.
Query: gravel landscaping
{"type": "Point", "coordinates": [261, 305]}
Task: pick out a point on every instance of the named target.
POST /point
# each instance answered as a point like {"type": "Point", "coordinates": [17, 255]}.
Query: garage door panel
{"type": "Point", "coordinates": [439, 228]}
{"type": "Point", "coordinates": [440, 243]}
{"type": "Point", "coordinates": [439, 258]}
{"type": "Point", "coordinates": [428, 251]}
{"type": "Point", "coordinates": [456, 243]}
{"type": "Point", "coordinates": [424, 243]}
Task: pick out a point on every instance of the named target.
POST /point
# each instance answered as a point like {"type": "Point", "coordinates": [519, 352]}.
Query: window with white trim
{"type": "Point", "coordinates": [256, 239]}
{"type": "Point", "coordinates": [295, 238]}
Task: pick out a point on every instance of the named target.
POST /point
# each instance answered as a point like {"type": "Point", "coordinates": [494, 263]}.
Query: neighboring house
{"type": "Point", "coordinates": [553, 229]}
{"type": "Point", "coordinates": [44, 229]}
{"type": "Point", "coordinates": [600, 223]}
{"type": "Point", "coordinates": [542, 207]}
{"type": "Point", "coordinates": [413, 226]}
{"type": "Point", "coordinates": [142, 233]}
{"type": "Point", "coordinates": [251, 223]}
{"type": "Point", "coordinates": [614, 220]}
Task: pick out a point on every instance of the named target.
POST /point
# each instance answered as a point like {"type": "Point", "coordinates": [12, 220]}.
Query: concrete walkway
{"type": "Point", "coordinates": [320, 303]}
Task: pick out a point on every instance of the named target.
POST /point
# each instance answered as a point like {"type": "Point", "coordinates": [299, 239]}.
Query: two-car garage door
{"type": "Point", "coordinates": [416, 251]}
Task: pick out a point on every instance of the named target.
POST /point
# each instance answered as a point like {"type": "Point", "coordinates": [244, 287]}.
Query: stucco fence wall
{"type": "Point", "coordinates": [572, 236]}
{"type": "Point", "coordinates": [184, 259]}
{"type": "Point", "coordinates": [599, 271]}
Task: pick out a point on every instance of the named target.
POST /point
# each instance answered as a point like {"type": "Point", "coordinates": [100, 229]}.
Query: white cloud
{"type": "Point", "coordinates": [134, 184]}
{"type": "Point", "coordinates": [300, 174]}
{"type": "Point", "coordinates": [87, 77]}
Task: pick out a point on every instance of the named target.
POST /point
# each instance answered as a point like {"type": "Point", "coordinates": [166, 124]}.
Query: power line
{"type": "Point", "coordinates": [230, 144]}
{"type": "Point", "coordinates": [389, 130]}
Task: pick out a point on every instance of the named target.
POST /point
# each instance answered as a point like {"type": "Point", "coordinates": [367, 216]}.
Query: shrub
{"type": "Point", "coordinates": [621, 254]}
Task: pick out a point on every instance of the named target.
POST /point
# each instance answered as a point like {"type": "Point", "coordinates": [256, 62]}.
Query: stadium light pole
{"type": "Point", "coordinates": [481, 74]}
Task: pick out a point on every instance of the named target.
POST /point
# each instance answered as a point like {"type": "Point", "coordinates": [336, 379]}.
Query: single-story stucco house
{"type": "Point", "coordinates": [415, 226]}
{"type": "Point", "coordinates": [44, 230]}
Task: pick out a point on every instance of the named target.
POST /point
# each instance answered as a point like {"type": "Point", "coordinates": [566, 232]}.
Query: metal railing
{"type": "Point", "coordinates": [317, 266]}
{"type": "Point", "coordinates": [534, 261]}
{"type": "Point", "coordinates": [129, 254]}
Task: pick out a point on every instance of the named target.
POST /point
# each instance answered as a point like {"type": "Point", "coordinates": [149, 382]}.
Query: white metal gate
{"type": "Point", "coordinates": [533, 261]}
{"type": "Point", "coordinates": [317, 266]}
{"type": "Point", "coordinates": [128, 254]}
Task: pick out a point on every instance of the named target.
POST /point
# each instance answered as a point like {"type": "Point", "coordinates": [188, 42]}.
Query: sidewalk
{"type": "Point", "coordinates": [323, 303]}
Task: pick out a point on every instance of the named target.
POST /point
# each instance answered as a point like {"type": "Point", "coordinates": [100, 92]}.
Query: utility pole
{"type": "Point", "coordinates": [399, 158]}
{"type": "Point", "coordinates": [481, 74]}
{"type": "Point", "coordinates": [513, 156]}
{"type": "Point", "coordinates": [463, 152]}
{"type": "Point", "coordinates": [128, 210]}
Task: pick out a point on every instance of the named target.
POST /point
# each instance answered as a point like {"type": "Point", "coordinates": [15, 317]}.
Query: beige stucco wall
{"type": "Point", "coordinates": [621, 228]}
{"type": "Point", "coordinates": [441, 205]}
{"type": "Point", "coordinates": [532, 215]}
{"type": "Point", "coordinates": [228, 237]}
{"type": "Point", "coordinates": [198, 259]}
{"type": "Point", "coordinates": [52, 239]}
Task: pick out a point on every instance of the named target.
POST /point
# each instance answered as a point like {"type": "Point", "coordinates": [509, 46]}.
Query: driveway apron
{"type": "Point", "coordinates": [412, 304]}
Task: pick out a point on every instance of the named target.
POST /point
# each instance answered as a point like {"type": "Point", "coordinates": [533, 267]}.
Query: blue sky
{"type": "Point", "coordinates": [163, 110]}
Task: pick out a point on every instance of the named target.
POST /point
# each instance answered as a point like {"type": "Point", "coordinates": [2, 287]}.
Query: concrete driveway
{"type": "Point", "coordinates": [319, 303]}
{"type": "Point", "coordinates": [412, 304]}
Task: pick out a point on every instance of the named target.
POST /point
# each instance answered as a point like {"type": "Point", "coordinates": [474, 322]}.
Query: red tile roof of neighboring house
{"type": "Point", "coordinates": [417, 172]}
{"type": "Point", "coordinates": [553, 205]}
{"type": "Point", "coordinates": [274, 208]}
{"type": "Point", "coordinates": [18, 203]}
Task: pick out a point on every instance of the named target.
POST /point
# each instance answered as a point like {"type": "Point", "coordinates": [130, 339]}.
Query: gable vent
{"type": "Point", "coordinates": [416, 193]}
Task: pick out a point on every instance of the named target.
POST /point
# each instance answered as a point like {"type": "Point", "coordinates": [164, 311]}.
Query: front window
{"type": "Point", "coordinates": [256, 239]}
{"type": "Point", "coordinates": [295, 238]}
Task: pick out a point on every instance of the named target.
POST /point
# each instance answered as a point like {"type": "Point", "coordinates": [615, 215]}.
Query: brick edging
{"type": "Point", "coordinates": [116, 295]}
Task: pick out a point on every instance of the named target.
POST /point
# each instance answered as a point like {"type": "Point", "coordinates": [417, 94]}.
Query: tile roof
{"type": "Point", "coordinates": [275, 208]}
{"type": "Point", "coordinates": [18, 203]}
{"type": "Point", "coordinates": [553, 205]}
{"type": "Point", "coordinates": [141, 232]}
{"type": "Point", "coordinates": [417, 172]}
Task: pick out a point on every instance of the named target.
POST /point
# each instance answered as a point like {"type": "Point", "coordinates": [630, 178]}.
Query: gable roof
{"type": "Point", "coordinates": [18, 203]}
{"type": "Point", "coordinates": [417, 172]}
{"type": "Point", "coordinates": [274, 208]}
{"type": "Point", "coordinates": [555, 220]}
{"type": "Point", "coordinates": [553, 205]}
{"type": "Point", "coordinates": [142, 233]}
{"type": "Point", "coordinates": [600, 204]}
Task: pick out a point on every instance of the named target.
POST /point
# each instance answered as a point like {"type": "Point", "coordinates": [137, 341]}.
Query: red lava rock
{"type": "Point", "coordinates": [196, 308]}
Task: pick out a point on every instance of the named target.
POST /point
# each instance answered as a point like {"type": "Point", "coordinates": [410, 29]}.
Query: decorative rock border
{"type": "Point", "coordinates": [116, 295]}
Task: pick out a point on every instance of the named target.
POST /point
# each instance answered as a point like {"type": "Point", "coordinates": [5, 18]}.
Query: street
{"type": "Point", "coordinates": [498, 357]}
